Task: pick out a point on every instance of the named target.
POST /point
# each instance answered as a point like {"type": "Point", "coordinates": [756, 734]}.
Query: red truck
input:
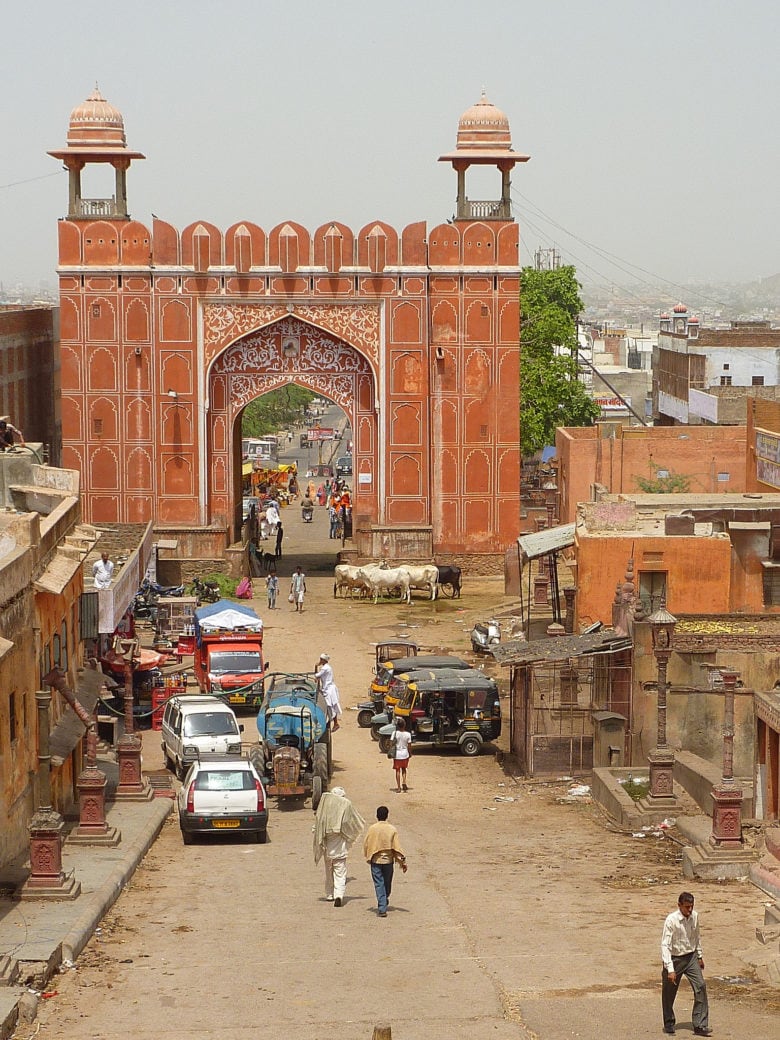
{"type": "Point", "coordinates": [229, 653]}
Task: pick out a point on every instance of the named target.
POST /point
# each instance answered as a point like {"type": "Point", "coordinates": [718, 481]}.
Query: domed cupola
{"type": "Point", "coordinates": [484, 139]}
{"type": "Point", "coordinates": [96, 124]}
{"type": "Point", "coordinates": [96, 134]}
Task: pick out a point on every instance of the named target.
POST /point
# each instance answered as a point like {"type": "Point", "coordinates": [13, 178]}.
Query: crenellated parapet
{"type": "Point", "coordinates": [245, 249]}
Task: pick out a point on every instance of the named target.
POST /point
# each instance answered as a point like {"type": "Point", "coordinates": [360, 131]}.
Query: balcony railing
{"type": "Point", "coordinates": [485, 210]}
{"type": "Point", "coordinates": [97, 208]}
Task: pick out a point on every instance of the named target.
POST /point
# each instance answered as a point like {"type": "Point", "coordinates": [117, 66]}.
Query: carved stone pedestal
{"type": "Point", "coordinates": [93, 828]}
{"type": "Point", "coordinates": [726, 816]}
{"type": "Point", "coordinates": [47, 880]}
{"type": "Point", "coordinates": [132, 787]}
{"type": "Point", "coordinates": [661, 793]}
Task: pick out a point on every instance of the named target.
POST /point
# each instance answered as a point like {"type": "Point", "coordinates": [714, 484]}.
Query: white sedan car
{"type": "Point", "coordinates": [222, 795]}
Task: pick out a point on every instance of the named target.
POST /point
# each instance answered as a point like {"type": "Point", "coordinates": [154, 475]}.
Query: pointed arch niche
{"type": "Point", "coordinates": [257, 363]}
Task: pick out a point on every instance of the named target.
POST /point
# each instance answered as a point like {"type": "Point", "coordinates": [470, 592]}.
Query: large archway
{"type": "Point", "coordinates": [289, 350]}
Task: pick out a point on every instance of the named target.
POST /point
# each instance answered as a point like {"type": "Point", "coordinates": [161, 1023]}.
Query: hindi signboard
{"type": "Point", "coordinates": [321, 433]}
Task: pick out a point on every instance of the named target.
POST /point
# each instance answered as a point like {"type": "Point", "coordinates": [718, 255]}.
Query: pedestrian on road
{"type": "Point", "coordinates": [382, 850]}
{"type": "Point", "coordinates": [272, 517]}
{"type": "Point", "coordinates": [323, 673]}
{"type": "Point", "coordinates": [103, 572]}
{"type": "Point", "coordinates": [681, 955]}
{"type": "Point", "coordinates": [402, 752]}
{"type": "Point", "coordinates": [298, 589]}
{"type": "Point", "coordinates": [337, 826]}
{"type": "Point", "coordinates": [272, 589]}
{"type": "Point", "coordinates": [279, 537]}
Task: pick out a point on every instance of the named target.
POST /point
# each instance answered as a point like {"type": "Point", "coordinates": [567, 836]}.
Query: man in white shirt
{"type": "Point", "coordinates": [681, 955]}
{"type": "Point", "coordinates": [103, 572]}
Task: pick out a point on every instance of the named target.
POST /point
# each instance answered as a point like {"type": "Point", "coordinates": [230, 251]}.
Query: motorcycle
{"type": "Point", "coordinates": [307, 512]}
{"type": "Point", "coordinates": [145, 607]}
{"type": "Point", "coordinates": [206, 591]}
{"type": "Point", "coordinates": [148, 586]}
{"type": "Point", "coordinates": [485, 635]}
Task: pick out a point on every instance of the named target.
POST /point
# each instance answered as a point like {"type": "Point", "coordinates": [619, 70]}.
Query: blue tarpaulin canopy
{"type": "Point", "coordinates": [548, 453]}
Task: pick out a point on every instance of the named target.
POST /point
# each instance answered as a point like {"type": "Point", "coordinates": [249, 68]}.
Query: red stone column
{"type": "Point", "coordinates": [131, 786]}
{"type": "Point", "coordinates": [47, 879]}
{"type": "Point", "coordinates": [727, 795]}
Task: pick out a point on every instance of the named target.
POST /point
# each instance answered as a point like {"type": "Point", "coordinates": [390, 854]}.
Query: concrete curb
{"type": "Point", "coordinates": [104, 897]}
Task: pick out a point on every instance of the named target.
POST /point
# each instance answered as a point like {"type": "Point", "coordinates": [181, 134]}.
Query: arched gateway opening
{"type": "Point", "coordinates": [290, 349]}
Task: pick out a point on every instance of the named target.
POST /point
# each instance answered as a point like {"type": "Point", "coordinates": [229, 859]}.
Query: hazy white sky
{"type": "Point", "coordinates": [651, 126]}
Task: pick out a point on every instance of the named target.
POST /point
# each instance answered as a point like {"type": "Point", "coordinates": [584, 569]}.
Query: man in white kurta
{"type": "Point", "coordinates": [337, 825]}
{"type": "Point", "coordinates": [323, 673]}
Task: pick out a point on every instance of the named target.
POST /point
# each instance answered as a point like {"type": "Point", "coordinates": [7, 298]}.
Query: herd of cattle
{"type": "Point", "coordinates": [379, 579]}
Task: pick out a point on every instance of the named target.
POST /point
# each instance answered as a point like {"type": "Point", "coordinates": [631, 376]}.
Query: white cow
{"type": "Point", "coordinates": [346, 577]}
{"type": "Point", "coordinates": [425, 576]}
{"type": "Point", "coordinates": [385, 579]}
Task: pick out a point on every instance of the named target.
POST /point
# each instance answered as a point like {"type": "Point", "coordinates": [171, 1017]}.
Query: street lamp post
{"type": "Point", "coordinates": [661, 758]}
{"type": "Point", "coordinates": [727, 795]}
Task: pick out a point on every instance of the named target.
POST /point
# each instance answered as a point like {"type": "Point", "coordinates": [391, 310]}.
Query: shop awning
{"type": "Point", "coordinates": [552, 539]}
{"type": "Point", "coordinates": [560, 648]}
{"type": "Point", "coordinates": [70, 729]}
{"type": "Point", "coordinates": [246, 469]}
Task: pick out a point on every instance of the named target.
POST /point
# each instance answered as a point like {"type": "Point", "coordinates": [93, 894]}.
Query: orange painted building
{"type": "Point", "coordinates": [711, 458]}
{"type": "Point", "coordinates": [709, 554]}
{"type": "Point", "coordinates": [168, 334]}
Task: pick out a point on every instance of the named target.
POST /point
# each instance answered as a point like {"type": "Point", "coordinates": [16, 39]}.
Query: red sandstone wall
{"type": "Point", "coordinates": [701, 453]}
{"type": "Point", "coordinates": [446, 368]}
{"type": "Point", "coordinates": [27, 351]}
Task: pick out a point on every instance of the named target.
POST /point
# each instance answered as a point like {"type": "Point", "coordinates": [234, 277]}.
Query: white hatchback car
{"type": "Point", "coordinates": [221, 795]}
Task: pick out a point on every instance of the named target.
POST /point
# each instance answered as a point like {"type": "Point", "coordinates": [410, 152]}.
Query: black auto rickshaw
{"type": "Point", "coordinates": [386, 651]}
{"type": "Point", "coordinates": [456, 708]}
{"type": "Point", "coordinates": [424, 666]}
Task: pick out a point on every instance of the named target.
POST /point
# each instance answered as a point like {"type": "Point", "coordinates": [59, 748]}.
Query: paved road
{"type": "Point", "coordinates": [517, 919]}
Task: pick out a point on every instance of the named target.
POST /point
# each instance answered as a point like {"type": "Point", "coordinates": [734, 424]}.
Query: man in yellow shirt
{"type": "Point", "coordinates": [382, 850]}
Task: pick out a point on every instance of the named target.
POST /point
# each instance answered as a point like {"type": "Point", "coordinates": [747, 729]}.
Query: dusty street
{"type": "Point", "coordinates": [518, 918]}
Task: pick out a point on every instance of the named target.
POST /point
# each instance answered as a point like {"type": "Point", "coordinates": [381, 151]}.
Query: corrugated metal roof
{"type": "Point", "coordinates": [550, 540]}
{"type": "Point", "coordinates": [57, 575]}
{"type": "Point", "coordinates": [558, 648]}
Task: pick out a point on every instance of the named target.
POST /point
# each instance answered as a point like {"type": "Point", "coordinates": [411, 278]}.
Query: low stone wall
{"type": "Point", "coordinates": [182, 571]}
{"type": "Point", "coordinates": [698, 776]}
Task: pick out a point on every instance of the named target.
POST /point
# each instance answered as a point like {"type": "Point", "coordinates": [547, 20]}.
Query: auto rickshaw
{"type": "Point", "coordinates": [387, 651]}
{"type": "Point", "coordinates": [460, 708]}
{"type": "Point", "coordinates": [398, 680]}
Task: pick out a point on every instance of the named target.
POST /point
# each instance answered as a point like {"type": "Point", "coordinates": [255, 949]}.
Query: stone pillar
{"type": "Point", "coordinates": [555, 630]}
{"type": "Point", "coordinates": [727, 795]}
{"type": "Point", "coordinates": [47, 879]}
{"type": "Point", "coordinates": [568, 622]}
{"type": "Point", "coordinates": [541, 586]}
{"type": "Point", "coordinates": [131, 786]}
{"type": "Point", "coordinates": [661, 758]}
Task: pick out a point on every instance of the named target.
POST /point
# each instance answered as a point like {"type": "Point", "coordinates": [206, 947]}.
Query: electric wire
{"type": "Point", "coordinates": [30, 180]}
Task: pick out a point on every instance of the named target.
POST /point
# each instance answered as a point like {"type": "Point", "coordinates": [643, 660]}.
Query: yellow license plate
{"type": "Point", "coordinates": [226, 823]}
{"type": "Point", "coordinates": [237, 698]}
